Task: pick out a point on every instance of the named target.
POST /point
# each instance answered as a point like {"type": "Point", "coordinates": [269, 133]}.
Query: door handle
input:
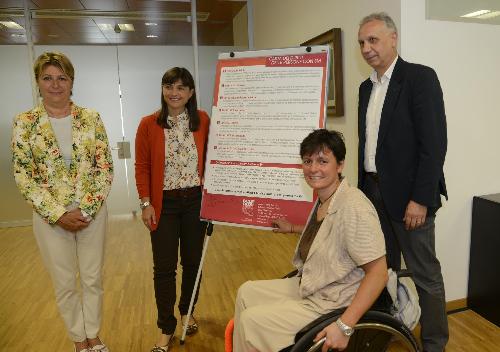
{"type": "Point", "coordinates": [123, 149]}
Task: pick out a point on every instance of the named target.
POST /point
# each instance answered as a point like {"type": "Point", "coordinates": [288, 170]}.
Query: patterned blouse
{"type": "Point", "coordinates": [41, 173]}
{"type": "Point", "coordinates": [181, 157]}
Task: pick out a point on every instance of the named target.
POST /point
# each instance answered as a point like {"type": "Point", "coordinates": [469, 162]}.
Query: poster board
{"type": "Point", "coordinates": [265, 103]}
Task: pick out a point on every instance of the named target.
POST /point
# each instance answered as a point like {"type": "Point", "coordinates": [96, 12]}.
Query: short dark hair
{"type": "Point", "coordinates": [322, 139]}
{"type": "Point", "coordinates": [170, 77]}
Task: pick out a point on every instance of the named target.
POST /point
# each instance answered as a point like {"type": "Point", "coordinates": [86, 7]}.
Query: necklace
{"type": "Point", "coordinates": [330, 196]}
{"type": "Point", "coordinates": [327, 199]}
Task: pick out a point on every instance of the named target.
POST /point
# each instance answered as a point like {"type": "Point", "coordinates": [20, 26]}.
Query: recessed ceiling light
{"type": "Point", "coordinates": [11, 25]}
{"type": "Point", "coordinates": [476, 13]}
{"type": "Point", "coordinates": [126, 27]}
{"type": "Point", "coordinates": [151, 24]}
{"type": "Point", "coordinates": [105, 26]}
{"type": "Point", "coordinates": [16, 35]}
{"type": "Point", "coordinates": [489, 15]}
{"type": "Point", "coordinates": [152, 36]}
{"type": "Point", "coordinates": [53, 35]}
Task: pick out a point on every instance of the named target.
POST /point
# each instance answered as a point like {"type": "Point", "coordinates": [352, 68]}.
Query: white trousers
{"type": "Point", "coordinates": [66, 254]}
{"type": "Point", "coordinates": [268, 314]}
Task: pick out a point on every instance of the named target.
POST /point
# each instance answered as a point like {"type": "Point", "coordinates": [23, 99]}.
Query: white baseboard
{"type": "Point", "coordinates": [127, 216]}
{"type": "Point", "coordinates": [15, 223]}
{"type": "Point", "coordinates": [19, 223]}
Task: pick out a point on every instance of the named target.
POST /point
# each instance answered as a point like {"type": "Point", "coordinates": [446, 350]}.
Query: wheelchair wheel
{"type": "Point", "coordinates": [374, 332]}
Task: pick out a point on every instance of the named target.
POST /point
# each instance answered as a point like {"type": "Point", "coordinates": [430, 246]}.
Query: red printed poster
{"type": "Point", "coordinates": [265, 103]}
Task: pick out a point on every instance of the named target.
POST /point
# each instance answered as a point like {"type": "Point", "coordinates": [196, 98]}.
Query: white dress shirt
{"type": "Point", "coordinates": [374, 113]}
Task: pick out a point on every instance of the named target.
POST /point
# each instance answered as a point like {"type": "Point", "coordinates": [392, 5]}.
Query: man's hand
{"type": "Point", "coordinates": [335, 339]}
{"type": "Point", "coordinates": [148, 217]}
{"type": "Point", "coordinates": [73, 221]}
{"type": "Point", "coordinates": [415, 215]}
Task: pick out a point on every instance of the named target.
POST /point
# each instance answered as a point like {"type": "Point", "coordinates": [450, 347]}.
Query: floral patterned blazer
{"type": "Point", "coordinates": [39, 169]}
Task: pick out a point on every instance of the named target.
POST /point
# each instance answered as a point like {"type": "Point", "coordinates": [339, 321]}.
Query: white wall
{"type": "Point", "coordinates": [15, 97]}
{"type": "Point", "coordinates": [288, 23]}
{"type": "Point", "coordinates": [466, 59]}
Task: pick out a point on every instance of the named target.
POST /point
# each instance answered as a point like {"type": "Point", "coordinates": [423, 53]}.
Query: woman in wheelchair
{"type": "Point", "coordinates": [340, 259]}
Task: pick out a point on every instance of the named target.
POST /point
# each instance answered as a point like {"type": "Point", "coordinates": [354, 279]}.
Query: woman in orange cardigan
{"type": "Point", "coordinates": [170, 155]}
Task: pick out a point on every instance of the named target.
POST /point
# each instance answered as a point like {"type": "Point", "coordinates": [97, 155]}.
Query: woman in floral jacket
{"type": "Point", "coordinates": [63, 167]}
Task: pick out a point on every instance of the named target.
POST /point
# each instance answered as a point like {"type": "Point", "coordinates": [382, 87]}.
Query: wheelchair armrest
{"type": "Point", "coordinates": [404, 273]}
{"type": "Point", "coordinates": [383, 302]}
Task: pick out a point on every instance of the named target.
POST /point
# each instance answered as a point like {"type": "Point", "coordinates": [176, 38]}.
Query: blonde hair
{"type": "Point", "coordinates": [55, 59]}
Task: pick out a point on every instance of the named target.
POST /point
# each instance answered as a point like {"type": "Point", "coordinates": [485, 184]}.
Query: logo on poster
{"type": "Point", "coordinates": [247, 206]}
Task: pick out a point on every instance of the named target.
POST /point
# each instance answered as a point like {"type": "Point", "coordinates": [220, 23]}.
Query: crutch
{"type": "Point", "coordinates": [208, 234]}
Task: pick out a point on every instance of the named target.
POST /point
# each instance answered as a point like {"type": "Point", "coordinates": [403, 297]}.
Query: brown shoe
{"type": "Point", "coordinates": [164, 348]}
{"type": "Point", "coordinates": [192, 328]}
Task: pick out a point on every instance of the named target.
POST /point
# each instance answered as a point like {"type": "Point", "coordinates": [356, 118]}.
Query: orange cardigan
{"type": "Point", "coordinates": [150, 157]}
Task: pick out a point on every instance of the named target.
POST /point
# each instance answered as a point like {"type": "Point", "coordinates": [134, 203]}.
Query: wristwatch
{"type": "Point", "coordinates": [346, 329]}
{"type": "Point", "coordinates": [144, 205]}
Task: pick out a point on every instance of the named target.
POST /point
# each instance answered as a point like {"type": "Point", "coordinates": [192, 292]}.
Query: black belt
{"type": "Point", "coordinates": [372, 175]}
{"type": "Point", "coordinates": [182, 192]}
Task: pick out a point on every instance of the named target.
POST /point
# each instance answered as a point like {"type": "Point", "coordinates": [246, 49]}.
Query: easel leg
{"type": "Point", "coordinates": [208, 234]}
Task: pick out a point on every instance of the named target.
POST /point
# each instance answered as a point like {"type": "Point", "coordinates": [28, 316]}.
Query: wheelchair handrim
{"type": "Point", "coordinates": [402, 338]}
{"type": "Point", "coordinates": [383, 327]}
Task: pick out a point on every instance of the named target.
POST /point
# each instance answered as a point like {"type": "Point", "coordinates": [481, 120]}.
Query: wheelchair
{"type": "Point", "coordinates": [376, 331]}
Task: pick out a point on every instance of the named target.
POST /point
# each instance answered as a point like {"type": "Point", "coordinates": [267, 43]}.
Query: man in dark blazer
{"type": "Point", "coordinates": [402, 147]}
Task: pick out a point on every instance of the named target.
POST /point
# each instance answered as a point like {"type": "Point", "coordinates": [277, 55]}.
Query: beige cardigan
{"type": "Point", "coordinates": [349, 237]}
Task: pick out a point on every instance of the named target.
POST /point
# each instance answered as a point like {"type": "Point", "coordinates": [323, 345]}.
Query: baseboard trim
{"type": "Point", "coordinates": [456, 305]}
{"type": "Point", "coordinates": [16, 223]}
{"type": "Point", "coordinates": [126, 216]}
{"type": "Point", "coordinates": [20, 223]}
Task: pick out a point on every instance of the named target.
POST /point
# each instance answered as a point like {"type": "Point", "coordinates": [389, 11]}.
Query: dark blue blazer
{"type": "Point", "coordinates": [412, 139]}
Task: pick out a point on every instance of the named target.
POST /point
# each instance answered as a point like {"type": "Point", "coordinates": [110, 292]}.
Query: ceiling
{"type": "Point", "coordinates": [76, 22]}
{"type": "Point", "coordinates": [56, 22]}
{"type": "Point", "coordinates": [452, 10]}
